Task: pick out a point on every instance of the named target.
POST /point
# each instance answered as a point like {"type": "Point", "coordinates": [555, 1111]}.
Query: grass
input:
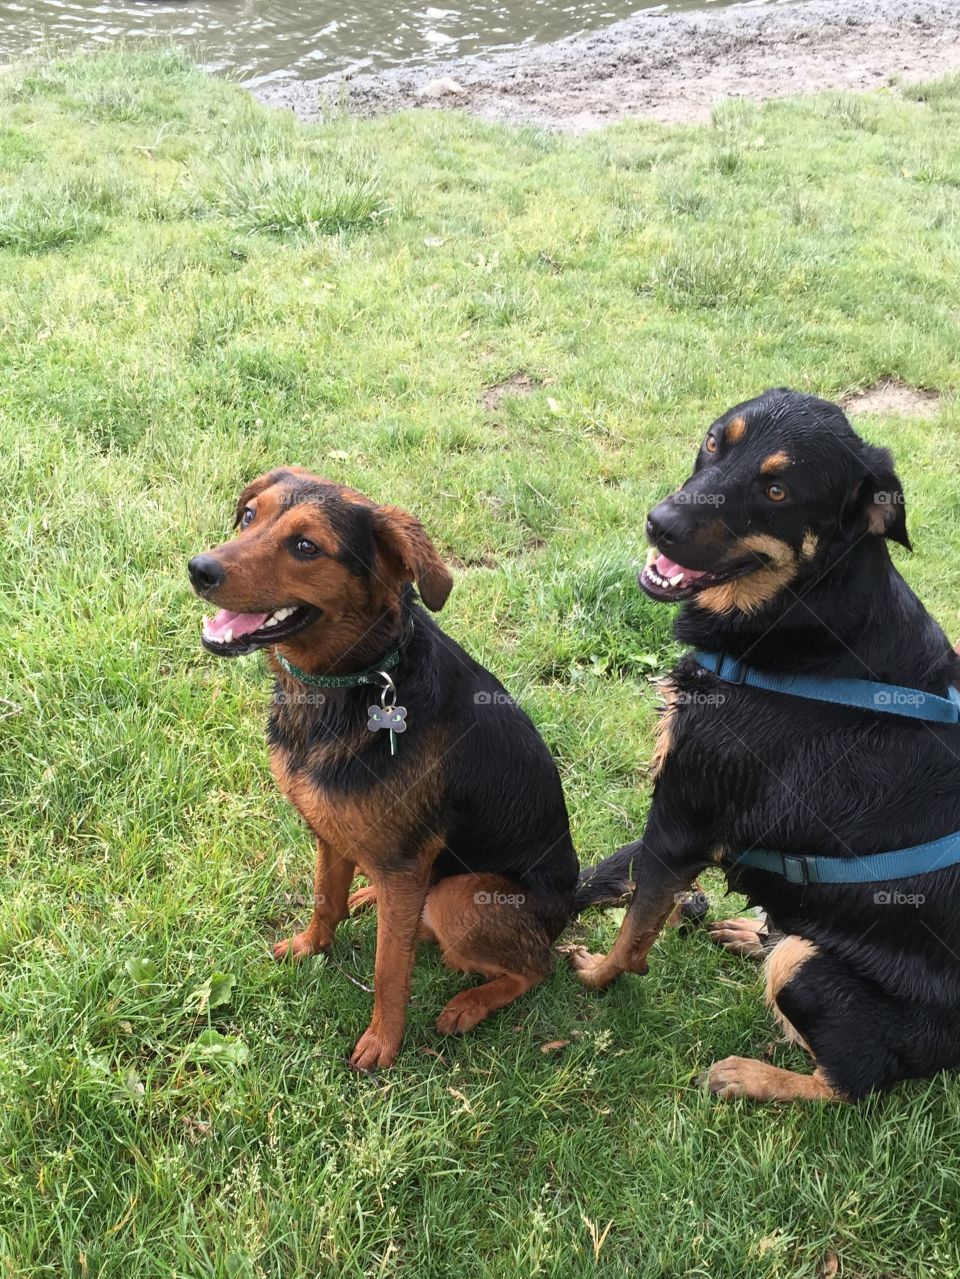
{"type": "Point", "coordinates": [193, 289]}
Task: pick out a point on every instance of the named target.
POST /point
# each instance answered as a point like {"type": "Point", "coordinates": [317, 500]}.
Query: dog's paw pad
{"type": "Point", "coordinates": [296, 948]}
{"type": "Point", "coordinates": [461, 1014]}
{"type": "Point", "coordinates": [373, 1051]}
{"type": "Point", "coordinates": [731, 1077]}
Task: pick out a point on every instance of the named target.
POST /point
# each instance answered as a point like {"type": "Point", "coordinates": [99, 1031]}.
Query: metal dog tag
{"type": "Point", "coordinates": [388, 714]}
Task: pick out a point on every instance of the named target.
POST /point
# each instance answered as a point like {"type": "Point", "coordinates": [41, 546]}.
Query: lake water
{"type": "Point", "coordinates": [258, 41]}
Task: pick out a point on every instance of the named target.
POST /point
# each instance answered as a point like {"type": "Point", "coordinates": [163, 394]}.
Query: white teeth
{"type": "Point", "coordinates": [651, 556]}
{"type": "Point", "coordinates": [271, 621]}
{"type": "Point", "coordinates": [659, 580]}
{"type": "Point", "coordinates": [227, 635]}
{"type": "Point", "coordinates": [282, 613]}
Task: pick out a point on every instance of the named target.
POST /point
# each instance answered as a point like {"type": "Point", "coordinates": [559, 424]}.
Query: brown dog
{"type": "Point", "coordinates": [450, 804]}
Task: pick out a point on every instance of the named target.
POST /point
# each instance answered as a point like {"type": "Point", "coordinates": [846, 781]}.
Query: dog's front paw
{"type": "Point", "coordinates": [741, 936]}
{"type": "Point", "coordinates": [592, 970]}
{"type": "Point", "coordinates": [299, 947]}
{"type": "Point", "coordinates": [374, 1051]}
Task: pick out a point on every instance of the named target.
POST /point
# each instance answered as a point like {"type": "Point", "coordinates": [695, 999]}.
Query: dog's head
{"type": "Point", "coordinates": [311, 557]}
{"type": "Point", "coordinates": [778, 481]}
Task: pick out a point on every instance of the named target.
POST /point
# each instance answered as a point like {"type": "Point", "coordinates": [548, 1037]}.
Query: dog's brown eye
{"type": "Point", "coordinates": [306, 547]}
{"type": "Point", "coordinates": [776, 492]}
{"type": "Point", "coordinates": [710, 444]}
{"type": "Point", "coordinates": [246, 517]}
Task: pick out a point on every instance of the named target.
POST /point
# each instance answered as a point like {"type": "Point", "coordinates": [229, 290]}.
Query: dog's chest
{"type": "Point", "coordinates": [348, 807]}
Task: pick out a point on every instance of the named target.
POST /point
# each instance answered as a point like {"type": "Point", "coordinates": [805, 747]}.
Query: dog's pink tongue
{"type": "Point", "coordinates": [239, 623]}
{"type": "Point", "coordinates": [668, 568]}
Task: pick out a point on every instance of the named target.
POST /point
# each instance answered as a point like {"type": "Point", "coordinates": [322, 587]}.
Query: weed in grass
{"type": "Point", "coordinates": [735, 116]}
{"type": "Point", "coordinates": [685, 201]}
{"type": "Point", "coordinates": [33, 223]}
{"type": "Point", "coordinates": [854, 112]}
{"type": "Point", "coordinates": [285, 197]}
{"type": "Point", "coordinates": [935, 92]}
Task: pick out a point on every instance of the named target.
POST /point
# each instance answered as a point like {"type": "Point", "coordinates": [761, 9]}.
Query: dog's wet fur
{"type": "Point", "coordinates": [463, 833]}
{"type": "Point", "coordinates": [777, 546]}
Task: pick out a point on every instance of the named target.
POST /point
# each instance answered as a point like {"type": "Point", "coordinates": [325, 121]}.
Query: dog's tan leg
{"type": "Point", "coordinates": [331, 886]}
{"type": "Point", "coordinates": [658, 889]}
{"type": "Point", "coordinates": [760, 1081]}
{"type": "Point", "coordinates": [400, 898]}
{"type": "Point", "coordinates": [489, 925]}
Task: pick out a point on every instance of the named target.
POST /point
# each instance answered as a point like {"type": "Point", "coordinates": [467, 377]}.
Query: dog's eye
{"type": "Point", "coordinates": [306, 547]}
{"type": "Point", "coordinates": [246, 516]}
{"type": "Point", "coordinates": [710, 444]}
{"type": "Point", "coordinates": [776, 492]}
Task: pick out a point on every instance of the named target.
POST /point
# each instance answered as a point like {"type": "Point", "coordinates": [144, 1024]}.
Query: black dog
{"type": "Point", "coordinates": [777, 545]}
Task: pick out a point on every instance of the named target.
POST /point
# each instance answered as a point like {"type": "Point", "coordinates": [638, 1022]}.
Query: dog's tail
{"type": "Point", "coordinates": [612, 881]}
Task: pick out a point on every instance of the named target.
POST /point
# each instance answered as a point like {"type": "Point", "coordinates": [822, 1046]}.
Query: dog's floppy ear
{"type": "Point", "coordinates": [880, 496]}
{"type": "Point", "coordinates": [410, 555]}
{"type": "Point", "coordinates": [253, 489]}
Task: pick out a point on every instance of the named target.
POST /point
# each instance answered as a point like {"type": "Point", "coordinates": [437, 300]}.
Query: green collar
{"type": "Point", "coordinates": [367, 676]}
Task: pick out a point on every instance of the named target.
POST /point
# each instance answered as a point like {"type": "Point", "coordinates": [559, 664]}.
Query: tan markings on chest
{"type": "Point", "coordinates": [665, 726]}
{"type": "Point", "coordinates": [374, 823]}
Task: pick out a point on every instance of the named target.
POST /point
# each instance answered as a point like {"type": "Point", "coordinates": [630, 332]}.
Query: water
{"type": "Point", "coordinates": [258, 41]}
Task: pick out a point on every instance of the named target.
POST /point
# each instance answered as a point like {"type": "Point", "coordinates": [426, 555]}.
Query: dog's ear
{"type": "Point", "coordinates": [880, 496]}
{"type": "Point", "coordinates": [253, 489]}
{"type": "Point", "coordinates": [410, 556]}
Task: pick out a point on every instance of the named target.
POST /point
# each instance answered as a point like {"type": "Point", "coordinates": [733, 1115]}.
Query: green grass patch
{"type": "Point", "coordinates": [193, 289]}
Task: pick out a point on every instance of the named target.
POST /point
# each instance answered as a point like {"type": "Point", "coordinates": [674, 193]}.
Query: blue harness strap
{"type": "Point", "coordinates": [862, 694]}
{"type": "Point", "coordinates": [886, 699]}
{"type": "Point", "coordinates": [873, 868]}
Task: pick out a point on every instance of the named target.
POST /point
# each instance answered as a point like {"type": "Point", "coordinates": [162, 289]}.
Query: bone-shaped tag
{"type": "Point", "coordinates": [393, 718]}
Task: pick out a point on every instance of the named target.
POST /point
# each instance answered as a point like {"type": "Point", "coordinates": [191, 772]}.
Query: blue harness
{"type": "Point", "coordinates": [885, 699]}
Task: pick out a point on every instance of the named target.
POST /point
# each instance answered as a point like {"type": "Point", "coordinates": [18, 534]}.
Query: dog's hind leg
{"type": "Point", "coordinates": [489, 925]}
{"type": "Point", "coordinates": [826, 1008]}
{"type": "Point", "coordinates": [363, 899]}
{"type": "Point", "coordinates": [760, 1081]}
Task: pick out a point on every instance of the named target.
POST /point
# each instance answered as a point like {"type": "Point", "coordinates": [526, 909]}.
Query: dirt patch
{"type": "Point", "coordinates": [517, 384]}
{"type": "Point", "coordinates": [892, 398]}
{"type": "Point", "coordinates": [670, 67]}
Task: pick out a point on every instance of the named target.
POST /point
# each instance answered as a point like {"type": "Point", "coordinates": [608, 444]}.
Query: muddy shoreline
{"type": "Point", "coordinates": [667, 67]}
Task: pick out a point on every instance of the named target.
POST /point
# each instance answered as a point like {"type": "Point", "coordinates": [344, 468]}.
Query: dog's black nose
{"type": "Point", "coordinates": [663, 524]}
{"type": "Point", "coordinates": [206, 573]}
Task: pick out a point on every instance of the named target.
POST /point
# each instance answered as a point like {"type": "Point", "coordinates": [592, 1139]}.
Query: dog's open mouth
{"type": "Point", "coordinates": [233, 634]}
{"type": "Point", "coordinates": [664, 579]}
